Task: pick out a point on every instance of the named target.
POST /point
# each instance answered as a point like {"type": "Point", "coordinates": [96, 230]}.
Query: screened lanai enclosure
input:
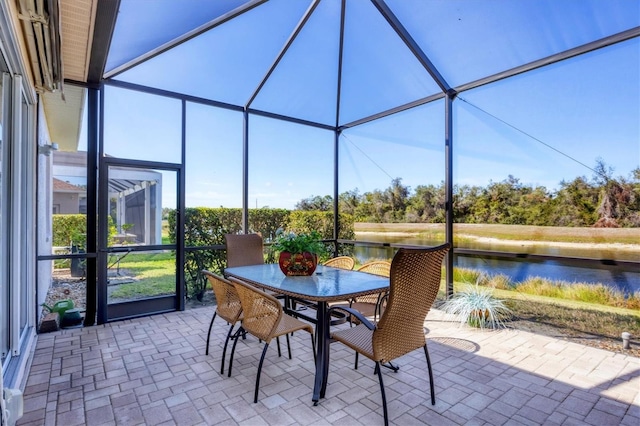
{"type": "Point", "coordinates": [507, 128]}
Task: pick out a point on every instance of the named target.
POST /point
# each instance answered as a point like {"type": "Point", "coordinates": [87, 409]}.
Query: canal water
{"type": "Point", "coordinates": [626, 280]}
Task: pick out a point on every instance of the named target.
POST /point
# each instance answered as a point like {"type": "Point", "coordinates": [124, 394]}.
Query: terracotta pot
{"type": "Point", "coordinates": [298, 263]}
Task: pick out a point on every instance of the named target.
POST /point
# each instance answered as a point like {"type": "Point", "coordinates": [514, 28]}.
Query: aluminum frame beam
{"type": "Point", "coordinates": [402, 32]}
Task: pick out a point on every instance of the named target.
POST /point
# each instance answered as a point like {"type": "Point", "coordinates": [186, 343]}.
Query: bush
{"type": "Point", "coordinates": [202, 227]}
{"type": "Point", "coordinates": [66, 226]}
{"type": "Point", "coordinates": [304, 221]}
{"type": "Point", "coordinates": [206, 227]}
{"type": "Point", "coordinates": [71, 229]}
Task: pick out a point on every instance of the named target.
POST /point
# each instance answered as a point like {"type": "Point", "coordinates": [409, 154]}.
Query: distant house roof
{"type": "Point", "coordinates": [62, 186]}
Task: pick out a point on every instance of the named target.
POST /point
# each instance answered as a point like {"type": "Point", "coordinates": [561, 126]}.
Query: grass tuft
{"type": "Point", "coordinates": [540, 287]}
{"type": "Point", "coordinates": [583, 292]}
{"type": "Point", "coordinates": [467, 275]}
{"type": "Point", "coordinates": [499, 281]}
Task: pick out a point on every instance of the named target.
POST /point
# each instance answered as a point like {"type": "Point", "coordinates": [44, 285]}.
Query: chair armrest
{"type": "Point", "coordinates": [383, 298]}
{"type": "Point", "coordinates": [355, 313]}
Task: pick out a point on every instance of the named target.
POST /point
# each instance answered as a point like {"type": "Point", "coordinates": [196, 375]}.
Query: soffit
{"type": "Point", "coordinates": [64, 113]}
{"type": "Point", "coordinates": [77, 17]}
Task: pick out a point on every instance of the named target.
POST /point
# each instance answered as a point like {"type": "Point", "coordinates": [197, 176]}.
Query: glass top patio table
{"type": "Point", "coordinates": [327, 284]}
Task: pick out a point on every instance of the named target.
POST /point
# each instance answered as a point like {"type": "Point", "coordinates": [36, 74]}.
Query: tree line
{"type": "Point", "coordinates": [602, 201]}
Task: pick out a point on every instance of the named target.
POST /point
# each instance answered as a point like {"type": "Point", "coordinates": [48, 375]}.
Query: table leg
{"type": "Point", "coordinates": [322, 359]}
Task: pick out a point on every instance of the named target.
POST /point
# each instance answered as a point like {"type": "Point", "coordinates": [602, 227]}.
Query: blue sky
{"type": "Point", "coordinates": [559, 119]}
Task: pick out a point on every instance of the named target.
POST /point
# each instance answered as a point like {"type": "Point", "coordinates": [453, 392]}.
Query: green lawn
{"type": "Point", "coordinates": [155, 274]}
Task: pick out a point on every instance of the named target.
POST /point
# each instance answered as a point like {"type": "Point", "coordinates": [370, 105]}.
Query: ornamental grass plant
{"type": "Point", "coordinates": [476, 306]}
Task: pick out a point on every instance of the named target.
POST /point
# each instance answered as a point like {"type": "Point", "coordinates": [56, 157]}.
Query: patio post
{"type": "Point", "coordinates": [245, 171]}
{"type": "Point", "coordinates": [448, 183]}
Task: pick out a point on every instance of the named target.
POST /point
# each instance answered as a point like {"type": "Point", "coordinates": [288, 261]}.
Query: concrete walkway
{"type": "Point", "coordinates": [153, 371]}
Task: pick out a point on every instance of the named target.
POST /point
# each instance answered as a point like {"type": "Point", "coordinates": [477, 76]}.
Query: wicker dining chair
{"type": "Point", "coordinates": [228, 308]}
{"type": "Point", "coordinates": [377, 267]}
{"type": "Point", "coordinates": [342, 262]}
{"type": "Point", "coordinates": [414, 283]}
{"type": "Point", "coordinates": [371, 304]}
{"type": "Point", "coordinates": [264, 318]}
{"type": "Point", "coordinates": [244, 249]}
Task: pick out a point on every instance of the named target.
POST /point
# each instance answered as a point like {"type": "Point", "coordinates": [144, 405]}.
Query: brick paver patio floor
{"type": "Point", "coordinates": [153, 371]}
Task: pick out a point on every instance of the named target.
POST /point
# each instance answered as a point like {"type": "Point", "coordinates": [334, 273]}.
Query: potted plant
{"type": "Point", "coordinates": [477, 307]}
{"type": "Point", "coordinates": [298, 252]}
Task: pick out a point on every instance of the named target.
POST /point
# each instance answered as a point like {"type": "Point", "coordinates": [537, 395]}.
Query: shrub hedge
{"type": "Point", "coordinates": [71, 229]}
{"type": "Point", "coordinates": [206, 227]}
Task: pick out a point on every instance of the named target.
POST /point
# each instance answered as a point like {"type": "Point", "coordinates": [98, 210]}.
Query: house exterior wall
{"type": "Point", "coordinates": [66, 203]}
{"type": "Point", "coordinates": [21, 133]}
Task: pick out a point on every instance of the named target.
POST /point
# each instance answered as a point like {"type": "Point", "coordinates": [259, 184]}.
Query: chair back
{"type": "Point", "coordinates": [227, 300]}
{"type": "Point", "coordinates": [261, 312]}
{"type": "Point", "coordinates": [244, 250]}
{"type": "Point", "coordinates": [378, 267]}
{"type": "Point", "coordinates": [342, 262]}
{"type": "Point", "coordinates": [413, 287]}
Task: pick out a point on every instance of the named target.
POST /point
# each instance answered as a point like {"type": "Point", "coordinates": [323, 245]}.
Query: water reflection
{"type": "Point", "coordinates": [626, 281]}
{"type": "Point", "coordinates": [518, 270]}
